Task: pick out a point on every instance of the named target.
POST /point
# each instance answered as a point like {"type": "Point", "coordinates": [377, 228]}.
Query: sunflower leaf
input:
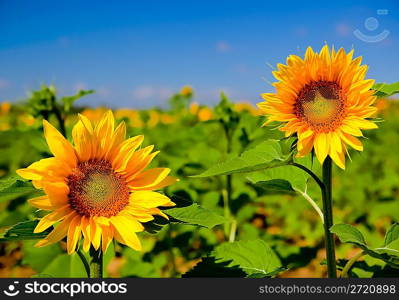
{"type": "Point", "coordinates": [208, 267]}
{"type": "Point", "coordinates": [195, 215]}
{"type": "Point", "coordinates": [254, 257]}
{"type": "Point", "coordinates": [264, 156]}
{"type": "Point", "coordinates": [286, 178]}
{"type": "Point", "coordinates": [392, 234]}
{"type": "Point", "coordinates": [13, 187]}
{"type": "Point", "coordinates": [63, 266]}
{"type": "Point", "coordinates": [386, 90]}
{"type": "Point", "coordinates": [24, 231]}
{"type": "Point", "coordinates": [348, 234]}
{"type": "Point", "coordinates": [389, 253]}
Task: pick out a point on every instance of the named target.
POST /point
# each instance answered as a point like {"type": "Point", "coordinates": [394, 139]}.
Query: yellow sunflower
{"type": "Point", "coordinates": [325, 100]}
{"type": "Point", "coordinates": [98, 188]}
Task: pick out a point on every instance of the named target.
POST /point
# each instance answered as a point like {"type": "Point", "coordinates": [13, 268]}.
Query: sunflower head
{"type": "Point", "coordinates": [323, 99]}
{"type": "Point", "coordinates": [99, 188]}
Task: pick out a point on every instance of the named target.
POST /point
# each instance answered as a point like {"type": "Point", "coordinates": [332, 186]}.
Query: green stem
{"type": "Point", "coordinates": [328, 217]}
{"type": "Point", "coordinates": [227, 196]}
{"type": "Point", "coordinates": [313, 175]}
{"type": "Point", "coordinates": [60, 120]}
{"type": "Point", "coordinates": [312, 202]}
{"type": "Point", "coordinates": [233, 230]}
{"type": "Point", "coordinates": [84, 261]}
{"type": "Point", "coordinates": [96, 263]}
{"type": "Point", "coordinates": [172, 257]}
{"type": "Point", "coordinates": [350, 263]}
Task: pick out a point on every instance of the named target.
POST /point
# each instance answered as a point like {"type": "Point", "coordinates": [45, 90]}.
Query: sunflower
{"type": "Point", "coordinates": [97, 189]}
{"type": "Point", "coordinates": [325, 100]}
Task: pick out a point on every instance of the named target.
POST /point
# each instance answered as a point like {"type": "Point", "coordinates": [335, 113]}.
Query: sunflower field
{"type": "Point", "coordinates": [198, 191]}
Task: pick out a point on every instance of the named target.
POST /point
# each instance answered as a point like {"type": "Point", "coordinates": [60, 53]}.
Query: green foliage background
{"type": "Point", "coordinates": [267, 227]}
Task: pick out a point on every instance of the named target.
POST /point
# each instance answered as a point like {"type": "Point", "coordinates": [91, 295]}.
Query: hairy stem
{"type": "Point", "coordinates": [328, 217]}
{"type": "Point", "coordinates": [350, 263]}
{"type": "Point", "coordinates": [96, 263]}
{"type": "Point", "coordinates": [84, 261]}
{"type": "Point", "coordinates": [313, 203]}
{"type": "Point", "coordinates": [233, 230]}
{"type": "Point", "coordinates": [313, 175]}
{"type": "Point", "coordinates": [172, 257]}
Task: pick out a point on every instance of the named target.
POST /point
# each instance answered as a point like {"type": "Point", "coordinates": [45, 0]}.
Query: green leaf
{"type": "Point", "coordinates": [195, 215]}
{"type": "Point", "coordinates": [253, 257]}
{"type": "Point", "coordinates": [69, 100]}
{"type": "Point", "coordinates": [386, 90]}
{"type": "Point", "coordinates": [266, 155]}
{"type": "Point", "coordinates": [24, 231]}
{"type": "Point", "coordinates": [392, 234]}
{"type": "Point", "coordinates": [14, 187]}
{"type": "Point", "coordinates": [349, 234]}
{"type": "Point", "coordinates": [288, 178]}
{"type": "Point", "coordinates": [275, 185]}
{"type": "Point", "coordinates": [210, 269]}
{"type": "Point", "coordinates": [64, 266]}
{"type": "Point", "coordinates": [39, 258]}
{"type": "Point", "coordinates": [389, 253]}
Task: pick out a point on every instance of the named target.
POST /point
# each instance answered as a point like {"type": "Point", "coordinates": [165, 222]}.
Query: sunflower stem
{"type": "Point", "coordinates": [328, 217]}
{"type": "Point", "coordinates": [84, 261]}
{"type": "Point", "coordinates": [350, 263]}
{"type": "Point", "coordinates": [60, 120]}
{"type": "Point", "coordinates": [96, 263]}
{"type": "Point", "coordinates": [228, 192]}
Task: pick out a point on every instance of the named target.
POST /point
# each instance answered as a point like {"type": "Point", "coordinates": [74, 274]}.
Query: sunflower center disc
{"type": "Point", "coordinates": [96, 190]}
{"type": "Point", "coordinates": [321, 105]}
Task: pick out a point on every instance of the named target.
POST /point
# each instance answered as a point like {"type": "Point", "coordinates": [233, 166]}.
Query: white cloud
{"type": "Point", "coordinates": [343, 29]}
{"type": "Point", "coordinates": [147, 92]}
{"type": "Point", "coordinates": [223, 46]}
{"type": "Point", "coordinates": [212, 96]}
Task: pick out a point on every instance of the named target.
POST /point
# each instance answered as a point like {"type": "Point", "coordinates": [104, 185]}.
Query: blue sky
{"type": "Point", "coordinates": [136, 53]}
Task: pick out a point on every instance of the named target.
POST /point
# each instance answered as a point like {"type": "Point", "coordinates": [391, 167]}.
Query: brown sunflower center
{"type": "Point", "coordinates": [96, 190]}
{"type": "Point", "coordinates": [321, 105]}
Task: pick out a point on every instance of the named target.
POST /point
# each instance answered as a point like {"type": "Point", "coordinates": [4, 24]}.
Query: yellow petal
{"type": "Point", "coordinates": [338, 158]}
{"type": "Point", "coordinates": [123, 233]}
{"type": "Point", "coordinates": [95, 233]}
{"type": "Point", "coordinates": [74, 232]}
{"type": "Point", "coordinates": [126, 151]}
{"type": "Point", "coordinates": [321, 147]}
{"type": "Point", "coordinates": [85, 223]}
{"type": "Point", "coordinates": [363, 124]}
{"type": "Point", "coordinates": [150, 199]}
{"type": "Point", "coordinates": [352, 141]}
{"type": "Point", "coordinates": [149, 178]}
{"type": "Point", "coordinates": [336, 143]}
{"type": "Point", "coordinates": [59, 146]}
{"type": "Point", "coordinates": [104, 132]}
{"type": "Point", "coordinates": [58, 233]}
{"type": "Point", "coordinates": [57, 193]}
{"type": "Point", "coordinates": [117, 139]}
{"type": "Point", "coordinates": [41, 202]}
{"type": "Point", "coordinates": [350, 129]}
{"type": "Point", "coordinates": [83, 141]}
{"type": "Point", "coordinates": [51, 169]}
{"type": "Point", "coordinates": [52, 218]}
{"type": "Point", "coordinates": [107, 236]}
